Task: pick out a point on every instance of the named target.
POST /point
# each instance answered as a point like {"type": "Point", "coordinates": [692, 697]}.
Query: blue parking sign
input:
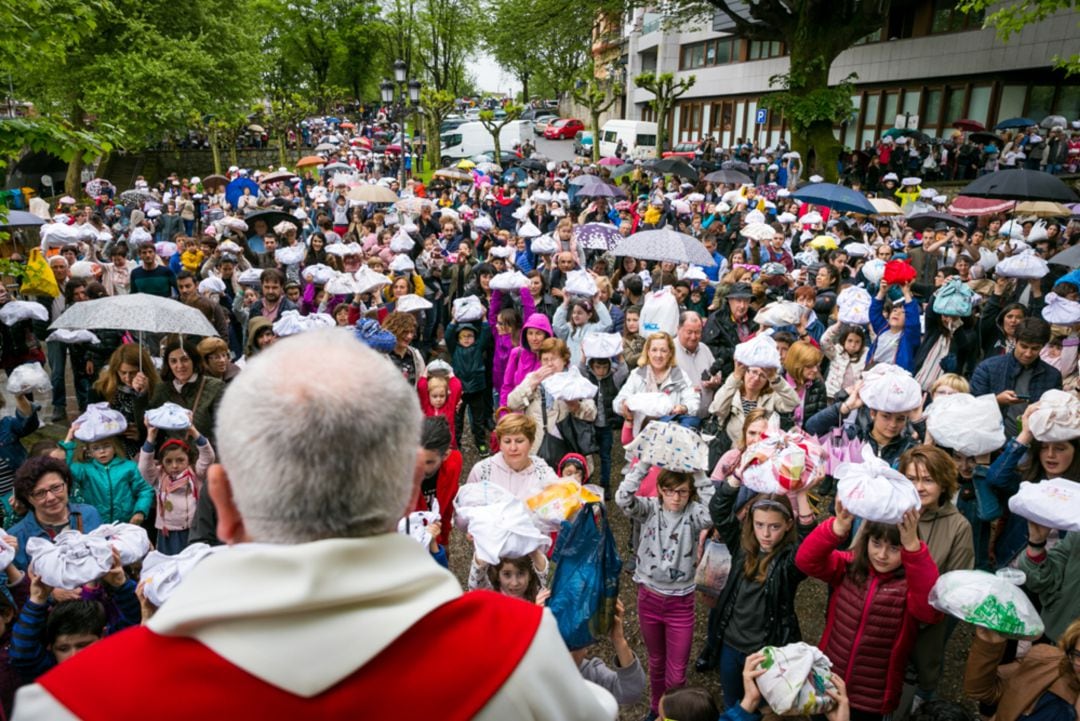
{"type": "Point", "coordinates": [762, 116]}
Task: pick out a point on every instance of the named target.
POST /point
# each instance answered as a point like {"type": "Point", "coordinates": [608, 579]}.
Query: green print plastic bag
{"type": "Point", "coordinates": [987, 600]}
{"type": "Point", "coordinates": [797, 679]}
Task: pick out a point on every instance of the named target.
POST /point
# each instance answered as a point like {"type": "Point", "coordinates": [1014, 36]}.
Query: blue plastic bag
{"type": "Point", "coordinates": [585, 583]}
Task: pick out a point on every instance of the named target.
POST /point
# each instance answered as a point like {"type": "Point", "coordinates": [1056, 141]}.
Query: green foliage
{"type": "Point", "coordinates": [597, 96]}
{"type": "Point", "coordinates": [10, 267]}
{"type": "Point", "coordinates": [495, 126]}
{"type": "Point", "coordinates": [55, 137]}
{"type": "Point", "coordinates": [435, 105]}
{"type": "Point", "coordinates": [666, 90]}
{"type": "Point", "coordinates": [1012, 19]}
{"type": "Point", "coordinates": [802, 104]}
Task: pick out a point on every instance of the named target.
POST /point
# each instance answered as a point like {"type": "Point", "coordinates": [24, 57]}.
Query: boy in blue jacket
{"type": "Point", "coordinates": [470, 346]}
{"type": "Point", "coordinates": [897, 327]}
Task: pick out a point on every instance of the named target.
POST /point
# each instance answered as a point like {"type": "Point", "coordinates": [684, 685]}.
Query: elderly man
{"type": "Point", "coordinates": [320, 608]}
{"type": "Point", "coordinates": [732, 323]}
{"type": "Point", "coordinates": [695, 359]}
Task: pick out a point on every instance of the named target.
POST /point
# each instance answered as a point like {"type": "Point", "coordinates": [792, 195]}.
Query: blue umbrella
{"type": "Point", "coordinates": [235, 189]}
{"type": "Point", "coordinates": [515, 175]}
{"type": "Point", "coordinates": [20, 218]}
{"type": "Point", "coordinates": [1015, 123]}
{"type": "Point", "coordinates": [836, 197]}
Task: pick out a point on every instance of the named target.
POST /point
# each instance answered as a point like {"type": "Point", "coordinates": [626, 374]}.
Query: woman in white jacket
{"type": "Point", "coordinates": [575, 319]}
{"type": "Point", "coordinates": [657, 372]}
{"type": "Point", "coordinates": [747, 389]}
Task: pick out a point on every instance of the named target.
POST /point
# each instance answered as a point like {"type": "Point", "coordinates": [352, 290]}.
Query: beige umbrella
{"type": "Point", "coordinates": [453, 174]}
{"type": "Point", "coordinates": [884, 206]}
{"type": "Point", "coordinates": [1042, 209]}
{"type": "Point", "coordinates": [256, 128]}
{"type": "Point", "coordinates": [373, 194]}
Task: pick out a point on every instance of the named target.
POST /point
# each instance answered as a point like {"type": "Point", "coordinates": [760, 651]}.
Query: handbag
{"type": "Point", "coordinates": [551, 449]}
{"type": "Point", "coordinates": [585, 578]}
{"type": "Point", "coordinates": [578, 435]}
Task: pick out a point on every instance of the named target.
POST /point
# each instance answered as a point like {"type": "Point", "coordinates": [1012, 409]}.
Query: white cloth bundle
{"type": "Point", "coordinates": [812, 218]}
{"type": "Point", "coordinates": [230, 247]}
{"type": "Point", "coordinates": [64, 335]}
{"type": "Point", "coordinates": [57, 235]}
{"type": "Point", "coordinates": [778, 313]}
{"type": "Point", "coordinates": [1061, 311]}
{"type": "Point", "coordinates": [1054, 503]}
{"type": "Point", "coordinates": [579, 282]}
{"type": "Point", "coordinates": [1057, 418]}
{"type": "Point", "coordinates": [211, 285]}
{"type": "Point", "coordinates": [602, 345]}
{"type": "Point", "coordinates": [98, 422]}
{"type": "Point", "coordinates": [509, 280]}
{"type": "Point", "coordinates": [7, 553]}
{"type": "Point", "coordinates": [782, 461]}
{"type": "Point", "coordinates": [874, 270]}
{"type": "Point", "coordinates": [671, 446]}
{"type": "Point", "coordinates": [986, 600]}
{"type": "Point", "coordinates": [83, 269]}
{"type": "Point", "coordinates": [696, 274]}
{"type": "Point", "coordinates": [872, 490]}
{"type": "Point", "coordinates": [411, 302]}
{"type": "Point", "coordinates": [1026, 265]}
{"type": "Point", "coordinates": [796, 680]}
{"type": "Point", "coordinates": [758, 352]}
{"type": "Point", "coordinates": [968, 425]}
{"type": "Point", "coordinates": [318, 274]}
{"type": "Point", "coordinates": [290, 323]}
{"type": "Point", "coordinates": [402, 264]}
{"type": "Point", "coordinates": [237, 224]}
{"type": "Point", "coordinates": [569, 385]}
{"type": "Point", "coordinates": [165, 249]}
{"type": "Point", "coordinates": [402, 242]}
{"type": "Point", "coordinates": [169, 417]}
{"type": "Point", "coordinates": [528, 230]}
{"type": "Point", "coordinates": [70, 560]}
{"type": "Point", "coordinates": [27, 378]}
{"type": "Point", "coordinates": [758, 231]}
{"type": "Point", "coordinates": [890, 388]}
{"type": "Point", "coordinates": [367, 280]}
{"type": "Point", "coordinates": [501, 251]}
{"type": "Point", "coordinates": [660, 313]}
{"type": "Point", "coordinates": [651, 405]}
{"type": "Point", "coordinates": [483, 223]}
{"type": "Point", "coordinates": [291, 255]}
{"type": "Point", "coordinates": [16, 310]}
{"type": "Point", "coordinates": [853, 305]}
{"type": "Point", "coordinates": [250, 277]}
{"type": "Point", "coordinates": [415, 524]}
{"type": "Point", "coordinates": [162, 574]}
{"type": "Point", "coordinates": [343, 249]}
{"type": "Point", "coordinates": [468, 309]}
{"type": "Point", "coordinates": [755, 217]}
{"type": "Point", "coordinates": [500, 524]}
{"type": "Point", "coordinates": [342, 284]}
{"type": "Point", "coordinates": [130, 540]}
{"type": "Point", "coordinates": [544, 245]}
{"type": "Point", "coordinates": [284, 227]}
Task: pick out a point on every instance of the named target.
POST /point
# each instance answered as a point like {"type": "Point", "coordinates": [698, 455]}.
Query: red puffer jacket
{"type": "Point", "coordinates": [871, 628]}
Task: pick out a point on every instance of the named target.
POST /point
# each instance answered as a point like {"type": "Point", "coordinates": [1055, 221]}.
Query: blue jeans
{"type": "Point", "coordinates": [56, 354]}
{"type": "Point", "coordinates": [731, 668]}
{"type": "Point", "coordinates": [605, 437]}
{"type": "Point", "coordinates": [684, 420]}
{"type": "Point", "coordinates": [189, 227]}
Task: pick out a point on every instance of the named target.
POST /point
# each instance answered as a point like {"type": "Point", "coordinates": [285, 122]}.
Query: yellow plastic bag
{"type": "Point", "coordinates": [559, 502]}
{"type": "Point", "coordinates": [39, 278]}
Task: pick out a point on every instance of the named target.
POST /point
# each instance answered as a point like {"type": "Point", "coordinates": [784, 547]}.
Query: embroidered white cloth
{"type": "Point", "coordinates": [291, 255]}
{"type": "Point", "coordinates": [98, 422]}
{"type": "Point", "coordinates": [1057, 418]}
{"type": "Point", "coordinates": [874, 491]}
{"type": "Point", "coordinates": [402, 264]}
{"type": "Point", "coordinates": [130, 540]}
{"type": "Point", "coordinates": [778, 313]}
{"type": "Point", "coordinates": [16, 310]}
{"type": "Point", "coordinates": [367, 280]}
{"type": "Point", "coordinates": [500, 524]}
{"type": "Point", "coordinates": [468, 309]}
{"type": "Point", "coordinates": [343, 249]}
{"type": "Point", "coordinates": [890, 388]}
{"type": "Point", "coordinates": [402, 242]}
{"type": "Point", "coordinates": [651, 405]}
{"type": "Point", "coordinates": [569, 385]}
{"type": "Point", "coordinates": [318, 274]}
{"type": "Point", "coordinates": [162, 574]}
{"type": "Point", "coordinates": [251, 277]}
{"type": "Point", "coordinates": [853, 305]}
{"type": "Point", "coordinates": [1061, 311]}
{"type": "Point", "coordinates": [1054, 503]}
{"type": "Point", "coordinates": [758, 352]}
{"type": "Point", "coordinates": [579, 282]}
{"type": "Point", "coordinates": [411, 302]}
{"type": "Point", "coordinates": [342, 284]}
{"type": "Point", "coordinates": [602, 345]}
{"type": "Point", "coordinates": [65, 335]}
{"type": "Point", "coordinates": [509, 280]}
{"type": "Point", "coordinates": [169, 417]}
{"type": "Point", "coordinates": [1026, 265]}
{"type": "Point", "coordinates": [968, 425]}
{"type": "Point", "coordinates": [70, 560]}
{"type": "Point", "coordinates": [544, 245]}
{"type": "Point", "coordinates": [986, 600]}
{"type": "Point", "coordinates": [528, 230]}
{"type": "Point", "coordinates": [211, 285]}
{"type": "Point", "coordinates": [874, 270]}
{"type": "Point", "coordinates": [797, 679]}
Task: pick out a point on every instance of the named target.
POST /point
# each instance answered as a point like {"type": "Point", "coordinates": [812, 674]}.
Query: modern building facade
{"type": "Point", "coordinates": [928, 67]}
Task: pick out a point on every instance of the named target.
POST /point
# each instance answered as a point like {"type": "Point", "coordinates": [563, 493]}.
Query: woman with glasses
{"type": "Point", "coordinates": [1044, 684]}
{"type": "Point", "coordinates": [42, 485]}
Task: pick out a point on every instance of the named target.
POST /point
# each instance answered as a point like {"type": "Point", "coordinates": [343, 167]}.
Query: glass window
{"type": "Point", "coordinates": [647, 141]}
{"type": "Point", "coordinates": [1040, 101]}
{"type": "Point", "coordinates": [932, 111]}
{"type": "Point", "coordinates": [753, 129]}
{"type": "Point", "coordinates": [739, 115]}
{"type": "Point", "coordinates": [710, 53]}
{"type": "Point", "coordinates": [699, 55]}
{"type": "Point", "coordinates": [911, 101]}
{"type": "Point", "coordinates": [870, 111]}
{"type": "Point", "coordinates": [1068, 103]}
{"type": "Point", "coordinates": [451, 139]}
{"type": "Point", "coordinates": [849, 136]}
{"type": "Point", "coordinates": [892, 100]}
{"type": "Point", "coordinates": [979, 103]}
{"type": "Point", "coordinates": [1011, 104]}
{"type": "Point", "coordinates": [943, 16]}
{"type": "Point", "coordinates": [723, 51]}
{"type": "Point", "coordinates": [954, 106]}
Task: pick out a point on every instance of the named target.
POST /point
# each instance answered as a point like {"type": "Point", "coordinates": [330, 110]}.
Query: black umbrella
{"type": "Point", "coordinates": [531, 164]}
{"type": "Point", "coordinates": [986, 139]}
{"type": "Point", "coordinates": [256, 230]}
{"type": "Point", "coordinates": [922, 221]}
{"type": "Point", "coordinates": [735, 165]}
{"type": "Point", "coordinates": [1020, 184]}
{"type": "Point", "coordinates": [706, 166]}
{"type": "Point", "coordinates": [728, 177]}
{"type": "Point", "coordinates": [674, 166]}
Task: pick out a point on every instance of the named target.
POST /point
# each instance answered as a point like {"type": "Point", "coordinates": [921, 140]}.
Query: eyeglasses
{"type": "Point", "coordinates": [1073, 655]}
{"type": "Point", "coordinates": [675, 492]}
{"type": "Point", "coordinates": [55, 489]}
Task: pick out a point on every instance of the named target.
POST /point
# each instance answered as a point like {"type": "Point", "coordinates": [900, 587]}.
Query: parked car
{"type": "Point", "coordinates": [563, 128]}
{"type": "Point", "coordinates": [682, 150]}
{"type": "Point", "coordinates": [542, 120]}
{"type": "Point", "coordinates": [583, 143]}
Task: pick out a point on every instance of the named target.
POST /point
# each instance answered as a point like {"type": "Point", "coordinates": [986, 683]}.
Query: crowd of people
{"type": "Point", "coordinates": [479, 317]}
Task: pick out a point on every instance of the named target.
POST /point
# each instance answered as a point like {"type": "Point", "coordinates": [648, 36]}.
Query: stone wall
{"type": "Point", "coordinates": [159, 164]}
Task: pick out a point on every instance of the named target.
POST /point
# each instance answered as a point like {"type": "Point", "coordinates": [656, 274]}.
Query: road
{"type": "Point", "coordinates": [557, 150]}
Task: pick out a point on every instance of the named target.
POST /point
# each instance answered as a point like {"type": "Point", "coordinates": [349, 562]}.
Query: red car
{"type": "Point", "coordinates": [563, 128]}
{"type": "Point", "coordinates": [682, 150]}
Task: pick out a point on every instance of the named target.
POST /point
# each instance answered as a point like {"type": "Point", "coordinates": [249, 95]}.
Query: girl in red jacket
{"type": "Point", "coordinates": [880, 596]}
{"type": "Point", "coordinates": [440, 394]}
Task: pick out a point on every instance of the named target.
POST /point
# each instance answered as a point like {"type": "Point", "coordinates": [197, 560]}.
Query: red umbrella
{"type": "Point", "coordinates": [968, 125]}
{"type": "Point", "coordinates": [612, 161]}
{"type": "Point", "coordinates": [366, 142]}
{"type": "Point", "coordinates": [965, 206]}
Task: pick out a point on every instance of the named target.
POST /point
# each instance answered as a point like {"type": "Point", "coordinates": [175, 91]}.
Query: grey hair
{"type": "Point", "coordinates": [688, 315]}
{"type": "Point", "coordinates": [315, 455]}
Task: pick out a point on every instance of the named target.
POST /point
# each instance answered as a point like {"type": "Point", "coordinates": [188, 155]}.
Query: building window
{"type": "Point", "coordinates": [979, 103]}
{"type": "Point", "coordinates": [706, 54]}
{"type": "Point", "coordinates": [762, 49]}
{"type": "Point", "coordinates": [950, 19]}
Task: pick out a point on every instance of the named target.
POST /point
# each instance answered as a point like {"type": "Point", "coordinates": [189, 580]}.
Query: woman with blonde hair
{"type": "Point", "coordinates": [126, 384]}
{"type": "Point", "coordinates": [658, 372]}
{"type": "Point", "coordinates": [803, 373]}
{"type": "Point", "coordinates": [514, 468]}
{"type": "Point", "coordinates": [749, 388]}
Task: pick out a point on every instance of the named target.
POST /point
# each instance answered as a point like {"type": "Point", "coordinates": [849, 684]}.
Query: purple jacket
{"type": "Point", "coordinates": [522, 361]}
{"type": "Point", "coordinates": [504, 342]}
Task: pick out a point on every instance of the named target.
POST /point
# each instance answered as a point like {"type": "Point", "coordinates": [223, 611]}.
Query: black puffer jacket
{"type": "Point", "coordinates": [722, 336]}
{"type": "Point", "coordinates": [781, 581]}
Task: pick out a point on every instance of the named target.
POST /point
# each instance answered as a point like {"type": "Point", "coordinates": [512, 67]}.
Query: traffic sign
{"type": "Point", "coordinates": [762, 116]}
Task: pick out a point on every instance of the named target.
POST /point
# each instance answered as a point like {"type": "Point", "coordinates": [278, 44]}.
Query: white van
{"type": "Point", "coordinates": [638, 137]}
{"type": "Point", "coordinates": [469, 139]}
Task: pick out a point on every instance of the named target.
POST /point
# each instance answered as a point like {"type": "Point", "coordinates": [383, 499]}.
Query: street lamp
{"type": "Point", "coordinates": [404, 105]}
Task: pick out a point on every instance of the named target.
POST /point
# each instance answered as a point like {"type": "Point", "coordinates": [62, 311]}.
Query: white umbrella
{"type": "Point", "coordinates": [664, 244]}
{"type": "Point", "coordinates": [138, 312]}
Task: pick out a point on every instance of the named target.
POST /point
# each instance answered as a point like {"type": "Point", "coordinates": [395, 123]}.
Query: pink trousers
{"type": "Point", "coordinates": [667, 625]}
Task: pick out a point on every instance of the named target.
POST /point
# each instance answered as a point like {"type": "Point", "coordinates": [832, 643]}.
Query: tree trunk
{"type": "Point", "coordinates": [661, 107]}
{"type": "Point", "coordinates": [595, 135]}
{"type": "Point", "coordinates": [434, 145]}
{"type": "Point", "coordinates": [817, 141]}
{"type": "Point", "coordinates": [216, 151]}
{"type": "Point", "coordinates": [73, 179]}
{"type": "Point", "coordinates": [525, 88]}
